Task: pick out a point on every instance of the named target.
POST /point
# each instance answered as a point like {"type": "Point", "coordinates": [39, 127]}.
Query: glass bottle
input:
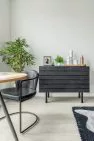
{"type": "Point", "coordinates": [82, 60]}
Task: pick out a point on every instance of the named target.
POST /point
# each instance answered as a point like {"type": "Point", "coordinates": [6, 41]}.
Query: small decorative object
{"type": "Point", "coordinates": [71, 56]}
{"type": "Point", "coordinates": [47, 60]}
{"type": "Point", "coordinates": [75, 61]}
{"type": "Point", "coordinates": [52, 63]}
{"type": "Point", "coordinates": [59, 60]}
{"type": "Point", "coordinates": [71, 53]}
{"type": "Point", "coordinates": [15, 55]}
{"type": "Point", "coordinates": [69, 60]}
{"type": "Point", "coordinates": [82, 60]}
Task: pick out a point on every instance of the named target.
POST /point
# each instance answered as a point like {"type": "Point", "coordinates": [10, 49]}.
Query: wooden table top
{"type": "Point", "coordinates": [11, 76]}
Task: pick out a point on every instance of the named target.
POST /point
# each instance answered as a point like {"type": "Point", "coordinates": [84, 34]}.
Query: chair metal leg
{"type": "Point", "coordinates": [25, 112]}
{"type": "Point", "coordinates": [20, 113]}
{"type": "Point", "coordinates": [79, 95]}
{"type": "Point", "coordinates": [33, 124]}
{"type": "Point", "coordinates": [20, 118]}
{"type": "Point", "coordinates": [20, 106]}
{"type": "Point", "coordinates": [8, 118]}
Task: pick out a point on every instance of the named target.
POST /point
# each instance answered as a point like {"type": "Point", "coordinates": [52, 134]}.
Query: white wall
{"type": "Point", "coordinates": [4, 20]}
{"type": "Point", "coordinates": [4, 27]}
{"type": "Point", "coordinates": [4, 30]}
{"type": "Point", "coordinates": [54, 27]}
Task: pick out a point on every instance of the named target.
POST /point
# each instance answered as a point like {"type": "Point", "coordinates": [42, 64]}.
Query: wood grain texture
{"type": "Point", "coordinates": [64, 79]}
{"type": "Point", "coordinates": [11, 76]}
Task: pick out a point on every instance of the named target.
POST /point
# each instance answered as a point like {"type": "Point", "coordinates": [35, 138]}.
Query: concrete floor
{"type": "Point", "coordinates": [56, 123]}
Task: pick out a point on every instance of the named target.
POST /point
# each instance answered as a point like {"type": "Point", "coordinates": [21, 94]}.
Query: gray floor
{"type": "Point", "coordinates": [56, 123]}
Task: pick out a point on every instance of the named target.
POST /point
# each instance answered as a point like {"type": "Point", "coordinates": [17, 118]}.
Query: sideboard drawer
{"type": "Point", "coordinates": [62, 72]}
{"type": "Point", "coordinates": [63, 79]}
{"type": "Point", "coordinates": [64, 68]}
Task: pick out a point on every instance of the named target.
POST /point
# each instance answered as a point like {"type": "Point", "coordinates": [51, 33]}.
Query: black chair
{"type": "Point", "coordinates": [24, 90]}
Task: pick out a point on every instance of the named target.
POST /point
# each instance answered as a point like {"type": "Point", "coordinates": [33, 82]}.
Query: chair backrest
{"type": "Point", "coordinates": [30, 84]}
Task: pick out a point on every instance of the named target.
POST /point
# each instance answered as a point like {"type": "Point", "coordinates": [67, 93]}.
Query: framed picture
{"type": "Point", "coordinates": [47, 60]}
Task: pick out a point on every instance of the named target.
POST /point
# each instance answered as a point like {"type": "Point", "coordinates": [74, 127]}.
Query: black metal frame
{"type": "Point", "coordinates": [8, 118]}
{"type": "Point", "coordinates": [20, 112]}
{"type": "Point", "coordinates": [47, 95]}
{"type": "Point", "coordinates": [33, 124]}
{"type": "Point", "coordinates": [79, 95]}
{"type": "Point", "coordinates": [20, 106]}
{"type": "Point", "coordinates": [7, 115]}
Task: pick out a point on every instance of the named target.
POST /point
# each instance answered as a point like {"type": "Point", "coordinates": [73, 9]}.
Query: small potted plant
{"type": "Point", "coordinates": [15, 55]}
{"type": "Point", "coordinates": [59, 60]}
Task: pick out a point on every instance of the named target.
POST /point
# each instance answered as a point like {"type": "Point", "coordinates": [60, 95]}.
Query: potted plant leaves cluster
{"type": "Point", "coordinates": [59, 60]}
{"type": "Point", "coordinates": [15, 55]}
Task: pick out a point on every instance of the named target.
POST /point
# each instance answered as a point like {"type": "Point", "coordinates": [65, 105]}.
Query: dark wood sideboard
{"type": "Point", "coordinates": [63, 79]}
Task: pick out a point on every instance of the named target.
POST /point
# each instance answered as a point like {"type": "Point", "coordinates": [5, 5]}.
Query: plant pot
{"type": "Point", "coordinates": [59, 64]}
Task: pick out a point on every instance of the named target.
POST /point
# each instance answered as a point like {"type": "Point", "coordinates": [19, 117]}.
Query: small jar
{"type": "Point", "coordinates": [82, 60]}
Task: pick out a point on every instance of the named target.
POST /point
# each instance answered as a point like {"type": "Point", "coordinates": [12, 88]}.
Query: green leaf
{"type": "Point", "coordinates": [59, 59]}
{"type": "Point", "coordinates": [15, 56]}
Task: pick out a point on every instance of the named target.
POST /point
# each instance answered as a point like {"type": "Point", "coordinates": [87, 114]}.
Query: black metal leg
{"type": "Point", "coordinates": [81, 97]}
{"type": "Point", "coordinates": [46, 97]}
{"type": "Point", "coordinates": [21, 112]}
{"type": "Point", "coordinates": [24, 112]}
{"type": "Point", "coordinates": [33, 124]}
{"type": "Point", "coordinates": [8, 118]}
{"type": "Point", "coordinates": [20, 107]}
{"type": "Point", "coordinates": [20, 117]}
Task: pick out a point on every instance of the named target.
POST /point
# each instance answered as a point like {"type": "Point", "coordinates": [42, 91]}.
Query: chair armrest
{"type": "Point", "coordinates": [21, 81]}
{"type": "Point", "coordinates": [28, 79]}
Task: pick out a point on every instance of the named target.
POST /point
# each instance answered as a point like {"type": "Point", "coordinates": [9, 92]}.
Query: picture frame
{"type": "Point", "coordinates": [47, 60]}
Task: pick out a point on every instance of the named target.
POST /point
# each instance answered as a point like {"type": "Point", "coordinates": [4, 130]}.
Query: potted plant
{"type": "Point", "coordinates": [59, 60]}
{"type": "Point", "coordinates": [15, 55]}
